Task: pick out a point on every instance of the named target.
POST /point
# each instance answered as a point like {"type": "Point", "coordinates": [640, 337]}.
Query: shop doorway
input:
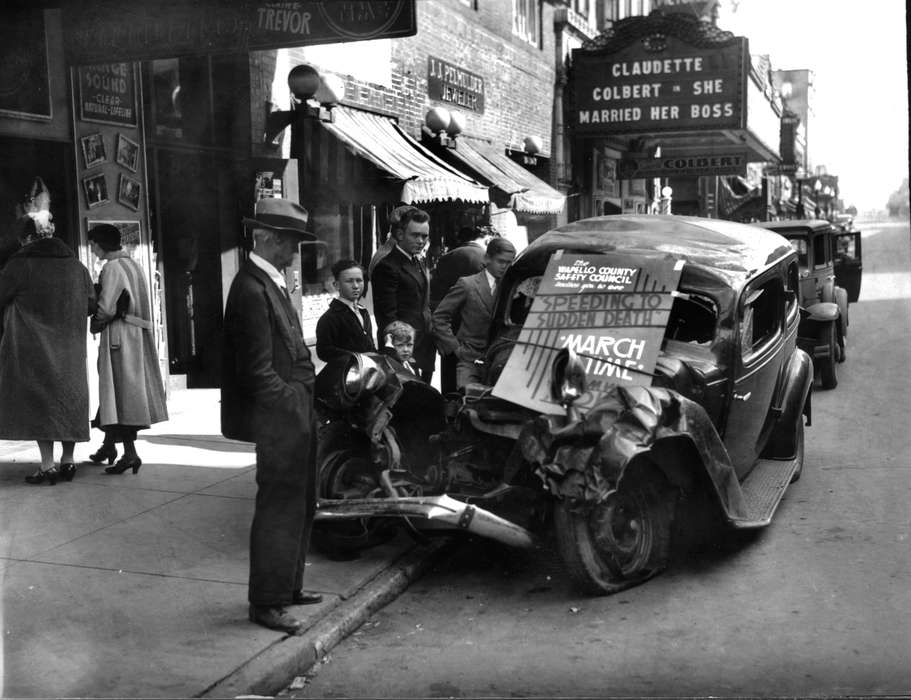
{"type": "Point", "coordinates": [197, 214]}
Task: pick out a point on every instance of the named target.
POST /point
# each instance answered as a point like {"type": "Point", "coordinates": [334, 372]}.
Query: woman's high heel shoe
{"type": "Point", "coordinates": [105, 452]}
{"type": "Point", "coordinates": [123, 464]}
{"type": "Point", "coordinates": [40, 476]}
{"type": "Point", "coordinates": [67, 471]}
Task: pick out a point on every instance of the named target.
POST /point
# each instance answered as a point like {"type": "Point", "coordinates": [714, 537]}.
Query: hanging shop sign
{"type": "Point", "coordinates": [665, 84]}
{"type": "Point", "coordinates": [104, 30]}
{"type": "Point", "coordinates": [107, 93]}
{"type": "Point", "coordinates": [456, 86]}
{"type": "Point", "coordinates": [714, 164]}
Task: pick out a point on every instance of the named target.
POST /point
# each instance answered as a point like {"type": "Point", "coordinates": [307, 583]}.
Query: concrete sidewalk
{"type": "Point", "coordinates": [134, 586]}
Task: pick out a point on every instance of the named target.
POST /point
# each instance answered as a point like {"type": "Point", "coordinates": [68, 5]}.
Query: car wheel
{"type": "Point", "coordinates": [622, 541]}
{"type": "Point", "coordinates": [349, 475]}
{"type": "Point", "coordinates": [827, 371]}
{"type": "Point", "coordinates": [798, 454]}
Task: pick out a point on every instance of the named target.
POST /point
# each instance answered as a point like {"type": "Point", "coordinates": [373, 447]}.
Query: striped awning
{"type": "Point", "coordinates": [528, 193]}
{"type": "Point", "coordinates": [426, 178]}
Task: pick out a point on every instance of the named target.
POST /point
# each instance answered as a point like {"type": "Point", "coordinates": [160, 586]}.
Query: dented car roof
{"type": "Point", "coordinates": [727, 251]}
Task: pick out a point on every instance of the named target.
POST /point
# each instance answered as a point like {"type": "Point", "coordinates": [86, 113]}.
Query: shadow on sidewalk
{"type": "Point", "coordinates": [205, 442]}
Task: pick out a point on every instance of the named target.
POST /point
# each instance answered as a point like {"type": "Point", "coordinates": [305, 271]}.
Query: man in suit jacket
{"type": "Point", "coordinates": [267, 398]}
{"type": "Point", "coordinates": [471, 302]}
{"type": "Point", "coordinates": [401, 287]}
{"type": "Point", "coordinates": [466, 259]}
{"type": "Point", "coordinates": [346, 325]}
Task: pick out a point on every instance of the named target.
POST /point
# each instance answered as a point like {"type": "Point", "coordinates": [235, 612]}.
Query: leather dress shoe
{"type": "Point", "coordinates": [274, 618]}
{"type": "Point", "coordinates": [305, 598]}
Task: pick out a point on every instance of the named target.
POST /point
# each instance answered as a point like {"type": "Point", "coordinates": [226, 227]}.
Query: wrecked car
{"type": "Point", "coordinates": [633, 361]}
{"type": "Point", "coordinates": [823, 328]}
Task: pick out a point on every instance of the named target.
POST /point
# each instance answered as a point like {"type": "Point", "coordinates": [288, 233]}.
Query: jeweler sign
{"type": "Point", "coordinates": [612, 310]}
{"type": "Point", "coordinates": [457, 86]}
{"type": "Point", "coordinates": [118, 30]}
{"type": "Point", "coordinates": [680, 87]}
{"type": "Point", "coordinates": [715, 164]}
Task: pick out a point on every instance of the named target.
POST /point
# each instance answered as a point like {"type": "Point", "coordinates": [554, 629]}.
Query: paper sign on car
{"type": "Point", "coordinates": [612, 310]}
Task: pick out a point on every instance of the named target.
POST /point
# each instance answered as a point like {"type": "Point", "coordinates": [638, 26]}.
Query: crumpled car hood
{"type": "Point", "coordinates": [582, 461]}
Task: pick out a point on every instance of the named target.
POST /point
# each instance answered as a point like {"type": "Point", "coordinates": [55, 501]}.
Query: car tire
{"type": "Point", "coordinates": [622, 541]}
{"type": "Point", "coordinates": [349, 475]}
{"type": "Point", "coordinates": [827, 371]}
{"type": "Point", "coordinates": [799, 451]}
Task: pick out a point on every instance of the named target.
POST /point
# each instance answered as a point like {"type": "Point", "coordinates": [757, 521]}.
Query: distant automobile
{"type": "Point", "coordinates": [824, 323]}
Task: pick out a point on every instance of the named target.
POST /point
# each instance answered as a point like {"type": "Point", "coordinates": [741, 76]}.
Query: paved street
{"type": "Point", "coordinates": [818, 604]}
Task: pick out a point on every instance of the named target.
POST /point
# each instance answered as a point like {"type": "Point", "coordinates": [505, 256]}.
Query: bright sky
{"type": "Point", "coordinates": [856, 50]}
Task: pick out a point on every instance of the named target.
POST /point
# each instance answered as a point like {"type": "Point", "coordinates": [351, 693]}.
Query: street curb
{"type": "Point", "coordinates": [275, 667]}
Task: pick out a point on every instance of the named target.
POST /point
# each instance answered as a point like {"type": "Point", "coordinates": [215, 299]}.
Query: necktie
{"type": "Point", "coordinates": [493, 288]}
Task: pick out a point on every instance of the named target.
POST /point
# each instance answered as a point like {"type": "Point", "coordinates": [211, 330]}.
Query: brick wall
{"type": "Point", "coordinates": [518, 77]}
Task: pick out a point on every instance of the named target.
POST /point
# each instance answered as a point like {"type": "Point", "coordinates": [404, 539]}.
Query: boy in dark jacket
{"type": "Point", "coordinates": [346, 325]}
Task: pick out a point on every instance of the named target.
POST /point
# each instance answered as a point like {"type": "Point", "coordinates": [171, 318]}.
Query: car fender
{"type": "Point", "coordinates": [584, 460]}
{"type": "Point", "coordinates": [841, 299]}
{"type": "Point", "coordinates": [793, 403]}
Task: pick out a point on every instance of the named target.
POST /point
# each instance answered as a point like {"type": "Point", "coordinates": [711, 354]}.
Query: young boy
{"type": "Point", "coordinates": [346, 324]}
{"type": "Point", "coordinates": [399, 345]}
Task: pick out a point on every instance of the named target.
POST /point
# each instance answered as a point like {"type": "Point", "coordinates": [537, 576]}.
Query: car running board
{"type": "Point", "coordinates": [436, 509]}
{"type": "Point", "coordinates": [763, 489]}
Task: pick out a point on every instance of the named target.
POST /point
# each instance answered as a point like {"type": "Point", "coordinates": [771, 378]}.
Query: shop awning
{"type": "Point", "coordinates": [528, 193]}
{"type": "Point", "coordinates": [426, 178]}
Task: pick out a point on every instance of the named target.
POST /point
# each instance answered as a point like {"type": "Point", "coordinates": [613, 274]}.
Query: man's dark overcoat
{"type": "Point", "coordinates": [401, 293]}
{"type": "Point", "coordinates": [459, 262]}
{"type": "Point", "coordinates": [46, 297]}
{"type": "Point", "coordinates": [267, 398]}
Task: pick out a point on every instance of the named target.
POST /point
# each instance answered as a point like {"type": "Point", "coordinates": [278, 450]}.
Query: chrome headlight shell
{"type": "Point", "coordinates": [362, 375]}
{"type": "Point", "coordinates": [567, 377]}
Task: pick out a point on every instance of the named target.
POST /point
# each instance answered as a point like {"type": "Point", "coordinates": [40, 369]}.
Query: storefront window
{"type": "Point", "coordinates": [200, 100]}
{"type": "Point", "coordinates": [180, 98]}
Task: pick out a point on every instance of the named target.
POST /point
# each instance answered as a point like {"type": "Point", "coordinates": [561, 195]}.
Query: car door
{"type": "Point", "coordinates": [758, 359]}
{"type": "Point", "coordinates": [801, 245]}
{"type": "Point", "coordinates": [848, 263]}
{"type": "Point", "coordinates": [823, 267]}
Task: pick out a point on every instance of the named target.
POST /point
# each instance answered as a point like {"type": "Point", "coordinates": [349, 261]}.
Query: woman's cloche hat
{"type": "Point", "coordinates": [281, 215]}
{"type": "Point", "coordinates": [107, 236]}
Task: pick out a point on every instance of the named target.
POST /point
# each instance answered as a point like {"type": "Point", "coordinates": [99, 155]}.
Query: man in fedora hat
{"type": "Point", "coordinates": [267, 398]}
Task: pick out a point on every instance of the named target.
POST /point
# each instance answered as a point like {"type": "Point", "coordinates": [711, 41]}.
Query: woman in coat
{"type": "Point", "coordinates": [130, 392]}
{"type": "Point", "coordinates": [46, 296]}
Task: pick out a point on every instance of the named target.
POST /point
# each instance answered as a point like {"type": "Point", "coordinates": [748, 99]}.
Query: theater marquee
{"type": "Point", "coordinates": [660, 85]}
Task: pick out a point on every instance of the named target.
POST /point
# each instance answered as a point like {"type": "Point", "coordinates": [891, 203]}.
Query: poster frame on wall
{"type": "Point", "coordinates": [131, 95]}
{"type": "Point", "coordinates": [24, 54]}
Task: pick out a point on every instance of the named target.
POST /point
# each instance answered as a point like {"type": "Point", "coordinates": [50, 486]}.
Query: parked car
{"type": "Point", "coordinates": [824, 326]}
{"type": "Point", "coordinates": [721, 416]}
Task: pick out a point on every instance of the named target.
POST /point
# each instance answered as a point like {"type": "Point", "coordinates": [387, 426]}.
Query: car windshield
{"type": "Point", "coordinates": [692, 319]}
{"type": "Point", "coordinates": [522, 296]}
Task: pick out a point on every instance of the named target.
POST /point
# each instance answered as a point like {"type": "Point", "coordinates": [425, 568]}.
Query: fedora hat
{"type": "Point", "coordinates": [281, 215]}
